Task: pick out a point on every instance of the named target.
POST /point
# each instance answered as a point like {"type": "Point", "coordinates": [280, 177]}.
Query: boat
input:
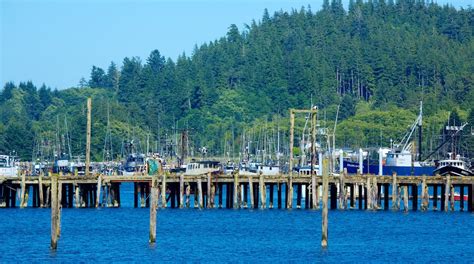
{"type": "Point", "coordinates": [8, 166]}
{"type": "Point", "coordinates": [202, 167]}
{"type": "Point", "coordinates": [399, 158]}
{"type": "Point", "coordinates": [134, 164]}
{"type": "Point", "coordinates": [454, 167]}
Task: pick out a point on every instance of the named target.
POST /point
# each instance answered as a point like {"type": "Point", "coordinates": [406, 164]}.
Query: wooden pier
{"type": "Point", "coordinates": [362, 192]}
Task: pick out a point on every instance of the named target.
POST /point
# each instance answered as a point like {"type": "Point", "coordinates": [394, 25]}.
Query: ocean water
{"type": "Point", "coordinates": [228, 235]}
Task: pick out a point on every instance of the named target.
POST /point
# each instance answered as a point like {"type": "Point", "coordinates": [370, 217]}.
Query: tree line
{"type": "Point", "coordinates": [370, 64]}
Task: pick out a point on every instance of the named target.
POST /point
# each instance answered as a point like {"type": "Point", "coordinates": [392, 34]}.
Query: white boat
{"type": "Point", "coordinates": [202, 167]}
{"type": "Point", "coordinates": [8, 166]}
{"type": "Point", "coordinates": [453, 167]}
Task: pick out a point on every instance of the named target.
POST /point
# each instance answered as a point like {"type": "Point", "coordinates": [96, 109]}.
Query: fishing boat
{"type": "Point", "coordinates": [8, 166]}
{"type": "Point", "coordinates": [134, 164]}
{"type": "Point", "coordinates": [399, 159]}
{"type": "Point", "coordinates": [202, 167]}
{"type": "Point", "coordinates": [454, 167]}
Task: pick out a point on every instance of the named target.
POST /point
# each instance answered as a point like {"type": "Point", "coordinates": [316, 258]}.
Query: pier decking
{"type": "Point", "coordinates": [247, 191]}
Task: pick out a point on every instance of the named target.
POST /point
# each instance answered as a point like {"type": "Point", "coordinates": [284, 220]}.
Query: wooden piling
{"type": "Point", "coordinates": [88, 136]}
{"type": "Point", "coordinates": [368, 193]}
{"type": "Point", "coordinates": [208, 190]}
{"type": "Point", "coordinates": [199, 187]}
{"type": "Point", "coordinates": [425, 198]}
{"type": "Point", "coordinates": [314, 194]}
{"type": "Point", "coordinates": [447, 190]}
{"type": "Point", "coordinates": [405, 198]}
{"type": "Point", "coordinates": [289, 198]}
{"type": "Point", "coordinates": [395, 192]}
{"type": "Point", "coordinates": [435, 197]}
{"type": "Point", "coordinates": [342, 190]}
{"type": "Point", "coordinates": [163, 191]}
{"type": "Point", "coordinates": [77, 193]}
{"type": "Point", "coordinates": [23, 187]}
{"type": "Point", "coordinates": [262, 191]}
{"type": "Point", "coordinates": [324, 216]}
{"type": "Point", "coordinates": [374, 193]}
{"type": "Point", "coordinates": [54, 212]}
{"type": "Point", "coordinates": [153, 207]}
{"type": "Point", "coordinates": [188, 194]}
{"type": "Point", "coordinates": [236, 189]}
{"type": "Point", "coordinates": [99, 187]}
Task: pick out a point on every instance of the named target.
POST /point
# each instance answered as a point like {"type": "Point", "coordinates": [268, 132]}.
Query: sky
{"type": "Point", "coordinates": [57, 42]}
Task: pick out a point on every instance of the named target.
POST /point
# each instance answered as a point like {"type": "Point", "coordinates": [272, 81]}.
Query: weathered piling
{"type": "Point", "coordinates": [324, 216]}
{"type": "Point", "coordinates": [99, 187]}
{"type": "Point", "coordinates": [461, 201]}
{"type": "Point", "coordinates": [395, 194]}
{"type": "Point", "coordinates": [405, 198]}
{"type": "Point", "coordinates": [236, 189]}
{"type": "Point", "coordinates": [368, 194]}
{"type": "Point", "coordinates": [23, 187]}
{"type": "Point", "coordinates": [262, 191]}
{"type": "Point", "coordinates": [342, 191]}
{"type": "Point", "coordinates": [88, 136]}
{"type": "Point", "coordinates": [188, 194]}
{"type": "Point", "coordinates": [54, 212]}
{"type": "Point", "coordinates": [181, 190]}
{"type": "Point", "coordinates": [208, 191]}
{"type": "Point", "coordinates": [451, 197]}
{"type": "Point", "coordinates": [424, 195]}
{"type": "Point", "coordinates": [153, 207]}
{"type": "Point", "coordinates": [40, 189]}
{"type": "Point", "coordinates": [314, 192]}
{"type": "Point", "coordinates": [289, 198]}
{"type": "Point", "coordinates": [163, 191]}
{"type": "Point", "coordinates": [447, 191]}
{"type": "Point", "coordinates": [199, 187]}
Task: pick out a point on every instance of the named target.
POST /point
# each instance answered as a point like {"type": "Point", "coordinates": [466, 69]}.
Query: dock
{"type": "Point", "coordinates": [362, 192]}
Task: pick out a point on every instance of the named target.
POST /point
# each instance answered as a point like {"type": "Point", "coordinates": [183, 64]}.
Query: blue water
{"type": "Point", "coordinates": [226, 235]}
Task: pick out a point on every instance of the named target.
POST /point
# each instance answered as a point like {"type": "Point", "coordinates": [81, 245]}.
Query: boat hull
{"type": "Point", "coordinates": [352, 168]}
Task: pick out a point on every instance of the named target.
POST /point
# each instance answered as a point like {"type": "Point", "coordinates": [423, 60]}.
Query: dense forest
{"type": "Point", "coordinates": [374, 62]}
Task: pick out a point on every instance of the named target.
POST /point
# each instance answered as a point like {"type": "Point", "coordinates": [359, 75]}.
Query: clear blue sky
{"type": "Point", "coordinates": [57, 42]}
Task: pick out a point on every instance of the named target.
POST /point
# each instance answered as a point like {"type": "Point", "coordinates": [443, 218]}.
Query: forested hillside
{"type": "Point", "coordinates": [376, 60]}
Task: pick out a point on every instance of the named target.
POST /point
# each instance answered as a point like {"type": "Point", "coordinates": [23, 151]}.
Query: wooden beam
{"type": "Point", "coordinates": [88, 136]}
